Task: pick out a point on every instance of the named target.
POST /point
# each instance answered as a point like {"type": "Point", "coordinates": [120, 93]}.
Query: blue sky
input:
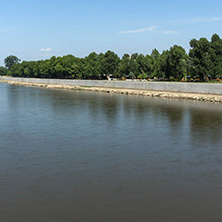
{"type": "Point", "coordinates": [39, 29]}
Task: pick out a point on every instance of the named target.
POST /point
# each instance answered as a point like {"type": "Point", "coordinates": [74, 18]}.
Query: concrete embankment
{"type": "Point", "coordinates": [192, 91]}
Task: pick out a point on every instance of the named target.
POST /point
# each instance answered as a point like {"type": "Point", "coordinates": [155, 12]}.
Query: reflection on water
{"type": "Point", "coordinates": [84, 156]}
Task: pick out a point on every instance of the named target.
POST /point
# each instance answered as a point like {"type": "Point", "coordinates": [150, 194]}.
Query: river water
{"type": "Point", "coordinates": [78, 156]}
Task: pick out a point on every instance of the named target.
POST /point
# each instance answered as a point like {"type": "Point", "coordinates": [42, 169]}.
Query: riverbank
{"type": "Point", "coordinates": [150, 93]}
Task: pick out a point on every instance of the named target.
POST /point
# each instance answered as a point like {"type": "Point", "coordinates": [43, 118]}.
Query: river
{"type": "Point", "coordinates": [95, 157]}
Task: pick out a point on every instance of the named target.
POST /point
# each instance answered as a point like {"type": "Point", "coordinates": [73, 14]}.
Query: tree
{"type": "Point", "coordinates": [132, 63]}
{"type": "Point", "coordinates": [16, 70]}
{"type": "Point", "coordinates": [163, 65]}
{"type": "Point", "coordinates": [178, 62]}
{"type": "Point", "coordinates": [171, 63]}
{"type": "Point", "coordinates": [10, 60]}
{"type": "Point", "coordinates": [3, 71]}
{"type": "Point", "coordinates": [92, 66]}
{"type": "Point", "coordinates": [124, 68]}
{"type": "Point", "coordinates": [109, 62]}
{"type": "Point", "coordinates": [144, 66]}
{"type": "Point", "coordinates": [216, 56]}
{"type": "Point", "coordinates": [155, 55]}
{"type": "Point", "coordinates": [200, 58]}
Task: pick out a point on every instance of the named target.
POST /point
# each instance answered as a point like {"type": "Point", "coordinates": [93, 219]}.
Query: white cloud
{"type": "Point", "coordinates": [46, 50]}
{"type": "Point", "coordinates": [171, 32]}
{"type": "Point", "coordinates": [168, 32]}
{"type": "Point", "coordinates": [217, 19]}
{"type": "Point", "coordinates": [150, 29]}
{"type": "Point", "coordinates": [204, 19]}
{"type": "Point", "coordinates": [195, 20]}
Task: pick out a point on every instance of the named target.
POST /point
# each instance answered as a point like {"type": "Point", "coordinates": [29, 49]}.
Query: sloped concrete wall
{"type": "Point", "coordinates": [157, 86]}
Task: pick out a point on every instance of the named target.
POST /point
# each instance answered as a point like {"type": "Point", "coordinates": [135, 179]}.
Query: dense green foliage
{"type": "Point", "coordinates": [204, 62]}
{"type": "Point", "coordinates": [206, 58]}
{"type": "Point", "coordinates": [10, 60]}
{"type": "Point", "coordinates": [3, 71]}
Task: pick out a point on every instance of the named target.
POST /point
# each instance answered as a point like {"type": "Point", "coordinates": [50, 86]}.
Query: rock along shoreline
{"type": "Point", "coordinates": [161, 94]}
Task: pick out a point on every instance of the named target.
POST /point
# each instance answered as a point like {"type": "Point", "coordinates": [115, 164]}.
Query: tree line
{"type": "Point", "coordinates": [203, 62]}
